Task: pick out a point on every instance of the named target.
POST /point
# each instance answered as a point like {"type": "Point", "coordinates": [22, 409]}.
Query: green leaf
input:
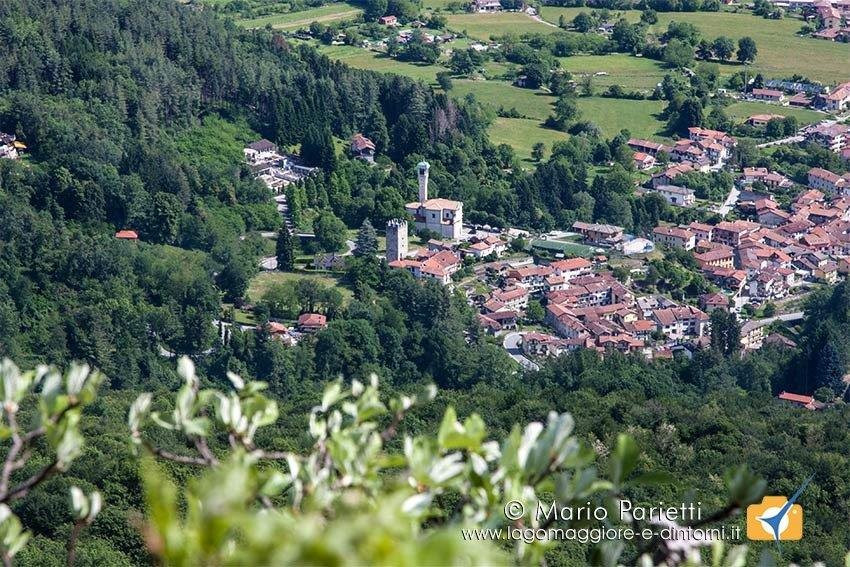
{"type": "Point", "coordinates": [623, 459]}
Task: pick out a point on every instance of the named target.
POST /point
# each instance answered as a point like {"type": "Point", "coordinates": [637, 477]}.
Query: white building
{"type": "Point", "coordinates": [442, 216]}
{"type": "Point", "coordinates": [675, 195]}
{"type": "Point", "coordinates": [261, 151]}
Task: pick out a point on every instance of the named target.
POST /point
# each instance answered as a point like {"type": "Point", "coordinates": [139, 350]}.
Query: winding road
{"type": "Point", "coordinates": [511, 344]}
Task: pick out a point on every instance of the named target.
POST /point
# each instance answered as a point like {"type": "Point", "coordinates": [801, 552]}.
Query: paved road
{"type": "Point", "coordinates": [511, 344]}
{"type": "Point", "coordinates": [789, 140]}
{"type": "Point", "coordinates": [730, 201]}
{"type": "Point", "coordinates": [796, 316]}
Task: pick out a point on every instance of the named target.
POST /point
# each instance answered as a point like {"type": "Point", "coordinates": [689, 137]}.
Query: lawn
{"type": "Point", "coordinates": [740, 111]}
{"type": "Point", "coordinates": [639, 117]}
{"type": "Point", "coordinates": [781, 52]}
{"type": "Point", "coordinates": [262, 281]}
{"type": "Point", "coordinates": [631, 73]}
{"type": "Point", "coordinates": [521, 134]}
{"type": "Point", "coordinates": [303, 18]}
{"type": "Point", "coordinates": [485, 26]}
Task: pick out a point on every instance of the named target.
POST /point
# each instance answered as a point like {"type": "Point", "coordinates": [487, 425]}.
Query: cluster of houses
{"type": "Point", "coordinates": [274, 169]}
{"type": "Point", "coordinates": [703, 150]}
{"type": "Point", "coordinates": [799, 95]}
{"type": "Point", "coordinates": [588, 308]}
{"type": "Point", "coordinates": [760, 260]}
{"type": "Point", "coordinates": [307, 324]}
{"type": "Point", "coordinates": [833, 20]}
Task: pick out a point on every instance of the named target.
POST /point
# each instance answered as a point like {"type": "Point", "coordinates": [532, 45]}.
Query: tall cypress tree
{"type": "Point", "coordinates": [285, 250]}
{"type": "Point", "coordinates": [367, 240]}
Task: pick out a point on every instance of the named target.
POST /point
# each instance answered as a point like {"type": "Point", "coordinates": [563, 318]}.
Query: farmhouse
{"type": "Point", "coordinates": [362, 147]}
{"type": "Point", "coordinates": [667, 176]}
{"type": "Point", "coordinates": [648, 147]}
{"type": "Point", "coordinates": [771, 180]}
{"type": "Point", "coordinates": [311, 322]}
{"type": "Point", "coordinates": [759, 120]}
{"type": "Point", "coordinates": [261, 151]}
{"type": "Point", "coordinates": [768, 95]}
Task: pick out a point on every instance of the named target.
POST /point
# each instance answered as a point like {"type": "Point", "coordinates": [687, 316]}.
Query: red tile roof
{"type": "Point", "coordinates": [127, 235]}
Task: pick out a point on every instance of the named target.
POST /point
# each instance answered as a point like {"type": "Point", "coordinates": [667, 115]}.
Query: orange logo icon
{"type": "Point", "coordinates": [775, 519]}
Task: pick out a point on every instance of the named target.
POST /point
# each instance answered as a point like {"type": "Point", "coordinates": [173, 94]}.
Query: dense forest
{"type": "Point", "coordinates": [135, 113]}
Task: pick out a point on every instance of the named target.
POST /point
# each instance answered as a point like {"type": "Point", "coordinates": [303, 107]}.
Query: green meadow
{"type": "Point", "coordinates": [781, 51]}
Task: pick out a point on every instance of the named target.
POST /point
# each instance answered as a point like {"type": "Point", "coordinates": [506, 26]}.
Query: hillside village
{"type": "Point", "coordinates": [756, 250]}
{"type": "Point", "coordinates": [765, 254]}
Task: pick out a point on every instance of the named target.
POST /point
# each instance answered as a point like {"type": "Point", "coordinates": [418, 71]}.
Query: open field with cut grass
{"type": "Point", "coordinates": [484, 26]}
{"type": "Point", "coordinates": [740, 111]}
{"type": "Point", "coordinates": [372, 61]}
{"type": "Point", "coordinates": [530, 103]}
{"type": "Point", "coordinates": [521, 134]}
{"type": "Point", "coordinates": [263, 281]}
{"type": "Point", "coordinates": [631, 73]}
{"type": "Point", "coordinates": [781, 52]}
{"type": "Point", "coordinates": [294, 20]}
{"type": "Point", "coordinates": [640, 117]}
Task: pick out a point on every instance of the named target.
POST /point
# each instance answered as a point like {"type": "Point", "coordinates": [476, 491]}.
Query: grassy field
{"type": "Point", "coordinates": [485, 26]}
{"type": "Point", "coordinates": [262, 281]}
{"type": "Point", "coordinates": [781, 51]}
{"type": "Point", "coordinates": [631, 73]}
{"type": "Point", "coordinates": [640, 117]}
{"type": "Point", "coordinates": [370, 60]}
{"type": "Point", "coordinates": [294, 20]}
{"type": "Point", "coordinates": [531, 104]}
{"type": "Point", "coordinates": [521, 134]}
{"type": "Point", "coordinates": [740, 111]}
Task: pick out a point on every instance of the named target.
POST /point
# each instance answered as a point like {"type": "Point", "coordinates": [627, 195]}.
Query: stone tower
{"type": "Point", "coordinates": [397, 239]}
{"type": "Point", "coordinates": [422, 172]}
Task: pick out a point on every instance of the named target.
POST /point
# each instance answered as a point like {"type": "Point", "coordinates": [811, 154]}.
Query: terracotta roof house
{"type": "Point", "coordinates": [311, 322]}
{"type": "Point", "coordinates": [362, 148]}
{"type": "Point", "coordinates": [127, 235]}
{"type": "Point", "coordinates": [807, 402]}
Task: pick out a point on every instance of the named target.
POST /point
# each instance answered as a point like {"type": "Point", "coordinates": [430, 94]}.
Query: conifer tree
{"type": "Point", "coordinates": [285, 250]}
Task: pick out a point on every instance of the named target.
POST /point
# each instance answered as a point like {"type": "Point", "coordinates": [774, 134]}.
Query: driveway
{"type": "Point", "coordinates": [511, 345]}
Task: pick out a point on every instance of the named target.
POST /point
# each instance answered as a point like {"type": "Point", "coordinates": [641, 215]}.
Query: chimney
{"type": "Point", "coordinates": [422, 171]}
